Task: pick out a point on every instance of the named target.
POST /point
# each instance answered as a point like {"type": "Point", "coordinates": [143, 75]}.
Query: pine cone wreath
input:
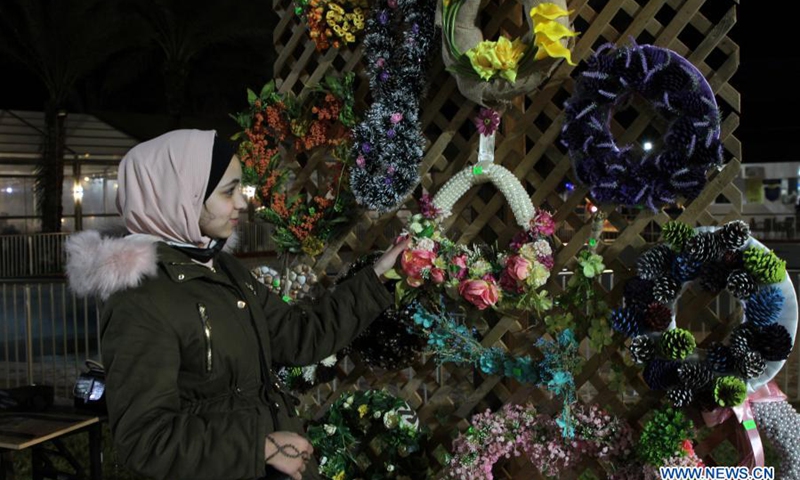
{"type": "Point", "coordinates": [680, 397]}
{"type": "Point", "coordinates": [703, 247]}
{"type": "Point", "coordinates": [719, 358]}
{"type": "Point", "coordinates": [655, 262]}
{"type": "Point", "coordinates": [695, 376]}
{"type": "Point", "coordinates": [666, 289]}
{"type": "Point", "coordinates": [642, 349]}
{"type": "Point", "coordinates": [773, 342]}
{"type": "Point", "coordinates": [733, 235]}
{"type": "Point", "coordinates": [751, 364]}
{"type": "Point", "coordinates": [741, 284]}
{"type": "Point", "coordinates": [657, 317]}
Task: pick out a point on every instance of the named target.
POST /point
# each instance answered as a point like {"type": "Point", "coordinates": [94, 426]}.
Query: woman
{"type": "Point", "coordinates": [188, 336]}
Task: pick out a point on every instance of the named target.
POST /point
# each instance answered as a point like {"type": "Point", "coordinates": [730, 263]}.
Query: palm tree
{"type": "Point", "coordinates": [60, 41]}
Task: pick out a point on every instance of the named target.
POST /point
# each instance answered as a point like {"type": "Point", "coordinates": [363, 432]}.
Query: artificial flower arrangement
{"type": "Point", "coordinates": [280, 131]}
{"type": "Point", "coordinates": [518, 430]}
{"type": "Point", "coordinates": [332, 22]}
{"type": "Point", "coordinates": [483, 276]}
{"type": "Point", "coordinates": [370, 435]}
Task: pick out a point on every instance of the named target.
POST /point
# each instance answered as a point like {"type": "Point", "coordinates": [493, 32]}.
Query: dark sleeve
{"type": "Point", "coordinates": [142, 358]}
{"type": "Point", "coordinates": [307, 332]}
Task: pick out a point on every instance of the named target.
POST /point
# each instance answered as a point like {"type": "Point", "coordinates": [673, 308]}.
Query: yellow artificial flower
{"type": "Point", "coordinates": [339, 476]}
{"type": "Point", "coordinates": [363, 410]}
{"type": "Point", "coordinates": [552, 49]}
{"type": "Point", "coordinates": [349, 37]}
{"type": "Point", "coordinates": [548, 11]}
{"type": "Point", "coordinates": [483, 58]}
{"type": "Point", "coordinates": [553, 30]}
{"type": "Point", "coordinates": [336, 8]}
{"type": "Point", "coordinates": [508, 54]}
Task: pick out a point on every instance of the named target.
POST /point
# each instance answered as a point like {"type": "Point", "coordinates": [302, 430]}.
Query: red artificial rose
{"type": "Point", "coordinates": [518, 268]}
{"type": "Point", "coordinates": [480, 293]}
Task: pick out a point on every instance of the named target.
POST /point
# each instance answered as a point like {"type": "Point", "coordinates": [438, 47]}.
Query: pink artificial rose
{"type": "Point", "coordinates": [437, 275]}
{"type": "Point", "coordinates": [518, 268]}
{"type": "Point", "coordinates": [480, 293]}
{"type": "Point", "coordinates": [413, 262]}
{"type": "Point", "coordinates": [460, 261]}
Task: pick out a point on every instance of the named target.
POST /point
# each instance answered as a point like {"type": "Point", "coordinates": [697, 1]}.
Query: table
{"type": "Point", "coordinates": [22, 430]}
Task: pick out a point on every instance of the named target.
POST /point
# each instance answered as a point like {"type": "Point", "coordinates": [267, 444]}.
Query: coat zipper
{"type": "Point", "coordinates": [201, 309]}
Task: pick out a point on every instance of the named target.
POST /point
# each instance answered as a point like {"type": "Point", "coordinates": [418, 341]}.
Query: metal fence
{"type": "Point", "coordinates": [46, 334]}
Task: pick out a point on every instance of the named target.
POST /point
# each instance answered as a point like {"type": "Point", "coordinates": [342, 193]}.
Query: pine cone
{"type": "Point", "coordinates": [764, 265]}
{"type": "Point", "coordinates": [743, 339]}
{"type": "Point", "coordinates": [703, 247]}
{"type": "Point", "coordinates": [680, 397]}
{"type": "Point", "coordinates": [720, 358]}
{"type": "Point", "coordinates": [676, 234]}
{"type": "Point", "coordinates": [655, 262]}
{"type": "Point", "coordinates": [627, 321]}
{"type": "Point", "coordinates": [733, 235]}
{"type": "Point", "coordinates": [642, 349]}
{"type": "Point", "coordinates": [773, 342]}
{"type": "Point", "coordinates": [741, 284]}
{"type": "Point", "coordinates": [638, 292]}
{"type": "Point", "coordinates": [714, 277]}
{"type": "Point", "coordinates": [695, 376]}
{"type": "Point", "coordinates": [750, 365]}
{"type": "Point", "coordinates": [685, 268]}
{"type": "Point", "coordinates": [765, 306]}
{"type": "Point", "coordinates": [658, 317]}
{"type": "Point", "coordinates": [676, 344]}
{"type": "Point", "coordinates": [666, 289]}
{"type": "Point", "coordinates": [661, 374]}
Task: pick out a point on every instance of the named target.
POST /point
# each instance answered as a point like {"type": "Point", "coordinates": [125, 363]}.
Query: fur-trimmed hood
{"type": "Point", "coordinates": [102, 265]}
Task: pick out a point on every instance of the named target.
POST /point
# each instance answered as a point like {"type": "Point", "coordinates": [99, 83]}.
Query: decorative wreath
{"type": "Point", "coordinates": [370, 435]}
{"type": "Point", "coordinates": [388, 144]}
{"type": "Point", "coordinates": [332, 22]}
{"type": "Point", "coordinates": [551, 444]}
{"type": "Point", "coordinates": [677, 164]}
{"type": "Point", "coordinates": [715, 258]}
{"type": "Point", "coordinates": [274, 123]}
{"type": "Point", "coordinates": [492, 73]}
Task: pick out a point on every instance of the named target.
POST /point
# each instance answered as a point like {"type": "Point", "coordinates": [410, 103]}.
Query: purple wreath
{"type": "Point", "coordinates": [678, 91]}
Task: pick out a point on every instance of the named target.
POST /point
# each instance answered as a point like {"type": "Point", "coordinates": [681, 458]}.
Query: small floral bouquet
{"type": "Point", "coordinates": [276, 124]}
{"type": "Point", "coordinates": [332, 22]}
{"type": "Point", "coordinates": [482, 276]}
{"type": "Point", "coordinates": [370, 435]}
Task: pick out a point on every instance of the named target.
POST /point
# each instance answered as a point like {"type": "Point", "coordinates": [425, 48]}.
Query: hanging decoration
{"type": "Point", "coordinates": [388, 144]}
{"type": "Point", "coordinates": [279, 130]}
{"type": "Point", "coordinates": [332, 23]}
{"type": "Point", "coordinates": [492, 73]}
{"type": "Point", "coordinates": [370, 435]}
{"type": "Point", "coordinates": [675, 165]}
{"type": "Point", "coordinates": [713, 259]}
{"type": "Point", "coordinates": [517, 430]}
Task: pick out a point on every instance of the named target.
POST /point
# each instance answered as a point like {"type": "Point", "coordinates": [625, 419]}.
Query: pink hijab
{"type": "Point", "coordinates": [161, 185]}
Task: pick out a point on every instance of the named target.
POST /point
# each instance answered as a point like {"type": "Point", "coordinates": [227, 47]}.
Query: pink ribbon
{"type": "Point", "coordinates": [748, 441]}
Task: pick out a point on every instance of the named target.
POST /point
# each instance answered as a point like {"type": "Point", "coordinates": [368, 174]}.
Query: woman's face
{"type": "Point", "coordinates": [220, 213]}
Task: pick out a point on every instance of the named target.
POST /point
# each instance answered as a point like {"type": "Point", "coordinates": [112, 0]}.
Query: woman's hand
{"type": "Point", "coordinates": [387, 261]}
{"type": "Point", "coordinates": [288, 453]}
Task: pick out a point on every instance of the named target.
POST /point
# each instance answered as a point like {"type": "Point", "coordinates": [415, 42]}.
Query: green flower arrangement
{"type": "Point", "coordinates": [370, 435]}
{"type": "Point", "coordinates": [663, 436]}
{"type": "Point", "coordinates": [729, 391]}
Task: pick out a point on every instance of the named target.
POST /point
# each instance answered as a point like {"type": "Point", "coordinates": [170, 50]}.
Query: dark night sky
{"type": "Point", "coordinates": [767, 79]}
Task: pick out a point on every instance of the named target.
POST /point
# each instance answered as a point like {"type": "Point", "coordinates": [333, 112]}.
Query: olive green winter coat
{"type": "Point", "coordinates": [188, 396]}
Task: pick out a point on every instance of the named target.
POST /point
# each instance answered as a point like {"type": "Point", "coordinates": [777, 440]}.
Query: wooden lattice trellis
{"type": "Point", "coordinates": [445, 398]}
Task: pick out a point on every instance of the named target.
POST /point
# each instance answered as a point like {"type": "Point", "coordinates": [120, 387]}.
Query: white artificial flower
{"type": "Point", "coordinates": [310, 373]}
{"type": "Point", "coordinates": [330, 361]}
{"type": "Point", "coordinates": [426, 244]}
{"type": "Point", "coordinates": [329, 429]}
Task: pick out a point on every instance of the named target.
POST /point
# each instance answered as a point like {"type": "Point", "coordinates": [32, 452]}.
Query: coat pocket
{"type": "Point", "coordinates": [208, 360]}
